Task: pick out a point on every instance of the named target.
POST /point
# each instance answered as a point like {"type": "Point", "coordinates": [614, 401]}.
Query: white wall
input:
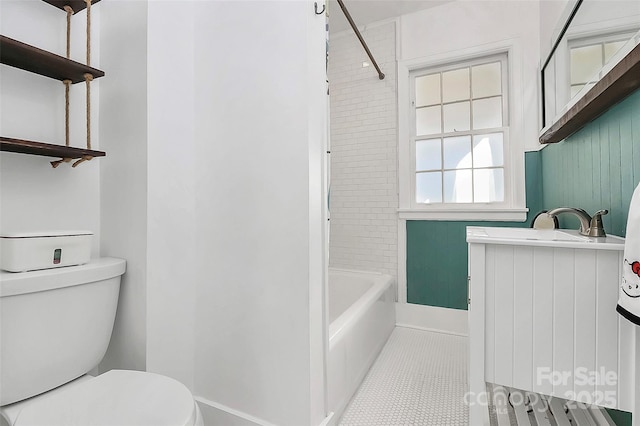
{"type": "Point", "coordinates": [123, 174]}
{"type": "Point", "coordinates": [235, 206]}
{"type": "Point", "coordinates": [106, 195]}
{"type": "Point", "coordinates": [364, 130]}
{"type": "Point", "coordinates": [213, 190]}
{"type": "Point", "coordinates": [463, 25]}
{"type": "Point", "coordinates": [172, 271]}
{"type": "Point", "coordinates": [33, 195]}
{"type": "Point", "coordinates": [553, 14]}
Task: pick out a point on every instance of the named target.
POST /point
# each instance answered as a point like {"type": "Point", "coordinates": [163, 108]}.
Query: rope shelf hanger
{"type": "Point", "coordinates": [67, 83]}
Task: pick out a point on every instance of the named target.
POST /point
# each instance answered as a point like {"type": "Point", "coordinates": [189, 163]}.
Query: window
{"type": "Point", "coordinates": [588, 56]}
{"type": "Point", "coordinates": [461, 135]}
{"type": "Point", "coordinates": [460, 132]}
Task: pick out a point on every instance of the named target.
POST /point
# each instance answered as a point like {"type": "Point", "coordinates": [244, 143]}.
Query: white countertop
{"type": "Point", "coordinates": [562, 238]}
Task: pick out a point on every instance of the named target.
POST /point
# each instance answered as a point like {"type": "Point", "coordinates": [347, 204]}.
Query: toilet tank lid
{"type": "Point", "coordinates": [14, 283]}
{"type": "Point", "coordinates": [43, 234]}
{"type": "Point", "coordinates": [117, 397]}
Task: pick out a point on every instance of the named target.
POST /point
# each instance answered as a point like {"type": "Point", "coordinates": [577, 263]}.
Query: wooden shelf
{"type": "Point", "coordinates": [619, 83]}
{"type": "Point", "coordinates": [29, 58]}
{"type": "Point", "coordinates": [76, 5]}
{"type": "Point", "coordinates": [45, 149]}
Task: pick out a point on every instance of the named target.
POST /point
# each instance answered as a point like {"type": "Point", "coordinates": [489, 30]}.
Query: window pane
{"type": "Point", "coordinates": [456, 117]}
{"type": "Point", "coordinates": [486, 80]}
{"type": "Point", "coordinates": [576, 89]}
{"type": "Point", "coordinates": [487, 113]}
{"type": "Point", "coordinates": [488, 150]}
{"type": "Point", "coordinates": [428, 120]}
{"type": "Point", "coordinates": [457, 152]}
{"type": "Point", "coordinates": [585, 63]}
{"type": "Point", "coordinates": [460, 132]}
{"type": "Point", "coordinates": [455, 85]}
{"type": "Point", "coordinates": [428, 90]}
{"type": "Point", "coordinates": [611, 49]}
{"type": "Point", "coordinates": [457, 186]}
{"type": "Point", "coordinates": [429, 187]}
{"type": "Point", "coordinates": [428, 155]}
{"type": "Point", "coordinates": [488, 185]}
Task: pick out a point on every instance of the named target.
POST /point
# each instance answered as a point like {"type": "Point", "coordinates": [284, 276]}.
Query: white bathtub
{"type": "Point", "coordinates": [361, 316]}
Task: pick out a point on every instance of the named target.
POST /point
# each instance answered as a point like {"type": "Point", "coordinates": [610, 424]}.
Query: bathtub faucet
{"type": "Point", "coordinates": [589, 226]}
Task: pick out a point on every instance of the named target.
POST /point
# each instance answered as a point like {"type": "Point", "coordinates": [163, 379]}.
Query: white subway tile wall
{"type": "Point", "coordinates": [364, 198]}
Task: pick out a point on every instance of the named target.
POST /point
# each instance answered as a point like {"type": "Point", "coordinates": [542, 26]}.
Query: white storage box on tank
{"type": "Point", "coordinates": [28, 251]}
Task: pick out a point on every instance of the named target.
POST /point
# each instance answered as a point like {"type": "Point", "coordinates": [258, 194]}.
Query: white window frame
{"type": "Point", "coordinates": [504, 129]}
{"type": "Point", "coordinates": [592, 39]}
{"type": "Point", "coordinates": [514, 206]}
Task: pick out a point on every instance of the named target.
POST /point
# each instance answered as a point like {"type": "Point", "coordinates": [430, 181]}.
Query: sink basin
{"type": "Point", "coordinates": [534, 234]}
{"type": "Point", "coordinates": [541, 237]}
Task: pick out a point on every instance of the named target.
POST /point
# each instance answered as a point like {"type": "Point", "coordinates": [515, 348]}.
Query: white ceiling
{"type": "Point", "coordinates": [365, 12]}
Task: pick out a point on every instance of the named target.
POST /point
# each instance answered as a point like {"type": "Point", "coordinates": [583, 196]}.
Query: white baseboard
{"type": "Point", "coordinates": [215, 414]}
{"type": "Point", "coordinates": [432, 318]}
{"type": "Point", "coordinates": [330, 420]}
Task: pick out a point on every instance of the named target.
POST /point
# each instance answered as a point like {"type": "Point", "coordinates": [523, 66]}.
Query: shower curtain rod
{"type": "Point", "coordinates": [364, 44]}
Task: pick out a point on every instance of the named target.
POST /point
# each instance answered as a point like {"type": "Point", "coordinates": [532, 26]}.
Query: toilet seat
{"type": "Point", "coordinates": [118, 397]}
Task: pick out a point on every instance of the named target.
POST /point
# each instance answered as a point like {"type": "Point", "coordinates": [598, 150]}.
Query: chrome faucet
{"type": "Point", "coordinates": [589, 226]}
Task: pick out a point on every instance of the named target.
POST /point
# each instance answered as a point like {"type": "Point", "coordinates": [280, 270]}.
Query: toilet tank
{"type": "Point", "coordinates": [55, 325]}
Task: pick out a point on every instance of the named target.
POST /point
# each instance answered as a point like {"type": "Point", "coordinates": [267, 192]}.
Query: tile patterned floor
{"type": "Point", "coordinates": [419, 378]}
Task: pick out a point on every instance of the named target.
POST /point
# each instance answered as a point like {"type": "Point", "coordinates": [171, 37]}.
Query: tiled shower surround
{"type": "Point", "coordinates": [363, 194]}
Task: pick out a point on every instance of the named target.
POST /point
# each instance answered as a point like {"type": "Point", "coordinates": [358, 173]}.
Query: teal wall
{"type": "Point", "coordinates": [620, 418]}
{"type": "Point", "coordinates": [598, 167]}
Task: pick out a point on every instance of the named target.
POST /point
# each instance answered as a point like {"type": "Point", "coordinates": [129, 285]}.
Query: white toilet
{"type": "Point", "coordinates": [55, 327]}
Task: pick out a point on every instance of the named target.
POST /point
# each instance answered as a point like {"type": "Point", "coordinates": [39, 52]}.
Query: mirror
{"type": "Point", "coordinates": [596, 35]}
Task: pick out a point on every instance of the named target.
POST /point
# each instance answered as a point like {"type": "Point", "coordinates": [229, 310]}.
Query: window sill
{"type": "Point", "coordinates": [498, 215]}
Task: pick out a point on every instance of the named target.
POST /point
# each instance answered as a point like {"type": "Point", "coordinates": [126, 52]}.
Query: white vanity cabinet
{"type": "Point", "coordinates": [542, 318]}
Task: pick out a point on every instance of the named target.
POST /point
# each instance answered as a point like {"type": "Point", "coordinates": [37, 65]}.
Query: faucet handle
{"type": "Point", "coordinates": [597, 229]}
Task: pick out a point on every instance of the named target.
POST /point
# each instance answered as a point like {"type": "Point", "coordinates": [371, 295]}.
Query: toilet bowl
{"type": "Point", "coordinates": [117, 397]}
{"type": "Point", "coordinates": [56, 326]}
